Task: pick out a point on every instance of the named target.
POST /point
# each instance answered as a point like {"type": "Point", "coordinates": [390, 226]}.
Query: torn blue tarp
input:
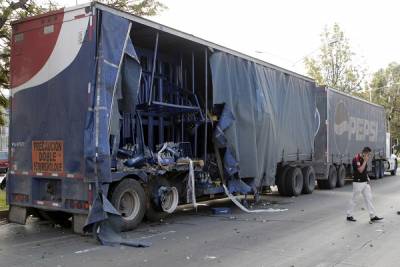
{"type": "Point", "coordinates": [235, 184]}
{"type": "Point", "coordinates": [116, 56]}
{"type": "Point", "coordinates": [231, 165]}
{"type": "Point", "coordinates": [225, 121]}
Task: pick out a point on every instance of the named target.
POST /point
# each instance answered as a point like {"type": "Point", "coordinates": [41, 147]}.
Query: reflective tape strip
{"type": "Point", "coordinates": [111, 64]}
{"type": "Point", "coordinates": [54, 174]}
{"type": "Point", "coordinates": [54, 204]}
{"type": "Point", "coordinates": [97, 108]}
{"type": "Point", "coordinates": [69, 175]}
{"type": "Point", "coordinates": [39, 174]}
{"type": "Point", "coordinates": [40, 202]}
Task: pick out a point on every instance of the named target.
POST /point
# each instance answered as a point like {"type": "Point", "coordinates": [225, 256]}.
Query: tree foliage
{"type": "Point", "coordinates": [334, 66]}
{"type": "Point", "coordinates": [385, 90]}
{"type": "Point", "coordinates": [11, 10]}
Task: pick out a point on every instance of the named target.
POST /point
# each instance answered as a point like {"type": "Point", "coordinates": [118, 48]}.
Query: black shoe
{"type": "Point", "coordinates": [376, 218]}
{"type": "Point", "coordinates": [351, 219]}
{"type": "Point", "coordinates": [398, 212]}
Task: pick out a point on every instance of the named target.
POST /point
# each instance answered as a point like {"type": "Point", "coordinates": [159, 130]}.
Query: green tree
{"type": "Point", "coordinates": [385, 90]}
{"type": "Point", "coordinates": [334, 66]}
{"type": "Point", "coordinates": [11, 10]}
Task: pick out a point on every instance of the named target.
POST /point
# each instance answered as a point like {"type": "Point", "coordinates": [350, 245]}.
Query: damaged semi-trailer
{"type": "Point", "coordinates": [113, 110]}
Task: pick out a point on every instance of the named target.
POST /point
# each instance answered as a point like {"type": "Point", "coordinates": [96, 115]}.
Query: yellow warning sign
{"type": "Point", "coordinates": [47, 156]}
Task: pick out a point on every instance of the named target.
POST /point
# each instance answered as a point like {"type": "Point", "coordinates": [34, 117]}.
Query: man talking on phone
{"type": "Point", "coordinates": [361, 185]}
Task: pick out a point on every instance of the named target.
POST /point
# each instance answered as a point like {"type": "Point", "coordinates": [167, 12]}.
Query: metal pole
{"type": "Point", "coordinates": [206, 103]}
{"type": "Point", "coordinates": [196, 125]}
{"type": "Point", "coordinates": [181, 100]}
{"type": "Point", "coordinates": [193, 72]}
{"type": "Point", "coordinates": [154, 69]}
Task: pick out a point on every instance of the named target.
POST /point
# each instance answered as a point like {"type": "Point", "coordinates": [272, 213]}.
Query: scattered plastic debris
{"type": "Point", "coordinates": [239, 205]}
{"type": "Point", "coordinates": [87, 250]}
{"type": "Point", "coordinates": [220, 210]}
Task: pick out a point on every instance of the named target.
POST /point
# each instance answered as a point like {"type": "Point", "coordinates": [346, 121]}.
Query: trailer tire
{"type": "Point", "coordinates": [341, 175]}
{"type": "Point", "coordinates": [332, 178]}
{"type": "Point", "coordinates": [308, 179]}
{"type": "Point", "coordinates": [331, 182]}
{"type": "Point", "coordinates": [376, 169]}
{"type": "Point", "coordinates": [129, 198]}
{"type": "Point", "coordinates": [154, 214]}
{"type": "Point", "coordinates": [294, 181]}
{"type": "Point", "coordinates": [393, 172]}
{"type": "Point", "coordinates": [382, 169]}
{"type": "Point", "coordinates": [281, 180]}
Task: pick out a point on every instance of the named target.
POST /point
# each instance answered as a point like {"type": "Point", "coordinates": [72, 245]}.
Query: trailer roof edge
{"type": "Point", "coordinates": [53, 12]}
{"type": "Point", "coordinates": [355, 97]}
{"type": "Point", "coordinates": [195, 39]}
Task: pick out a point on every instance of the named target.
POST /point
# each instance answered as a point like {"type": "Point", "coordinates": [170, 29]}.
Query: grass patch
{"type": "Point", "coordinates": [3, 205]}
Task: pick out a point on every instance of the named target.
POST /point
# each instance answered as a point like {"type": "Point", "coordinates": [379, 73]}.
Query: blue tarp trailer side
{"type": "Point", "coordinates": [274, 115]}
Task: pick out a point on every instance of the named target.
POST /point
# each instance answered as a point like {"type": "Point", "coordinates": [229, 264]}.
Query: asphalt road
{"type": "Point", "coordinates": [312, 232]}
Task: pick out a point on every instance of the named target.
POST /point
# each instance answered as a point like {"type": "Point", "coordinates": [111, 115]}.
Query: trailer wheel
{"type": "Point", "coordinates": [309, 179]}
{"type": "Point", "coordinates": [332, 179]}
{"type": "Point", "coordinates": [382, 169]}
{"type": "Point", "coordinates": [341, 174]}
{"type": "Point", "coordinates": [281, 180]}
{"type": "Point", "coordinates": [294, 182]}
{"type": "Point", "coordinates": [154, 213]}
{"type": "Point", "coordinates": [129, 199]}
{"type": "Point", "coordinates": [376, 169]}
{"type": "Point", "coordinates": [395, 168]}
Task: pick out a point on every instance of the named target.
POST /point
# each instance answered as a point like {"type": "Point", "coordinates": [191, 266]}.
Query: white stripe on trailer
{"type": "Point", "coordinates": [65, 50]}
{"type": "Point", "coordinates": [69, 175]}
{"type": "Point", "coordinates": [54, 174]}
{"type": "Point", "coordinates": [39, 174]}
{"type": "Point", "coordinates": [40, 202]}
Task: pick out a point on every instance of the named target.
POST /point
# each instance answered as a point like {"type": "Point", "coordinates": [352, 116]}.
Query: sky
{"type": "Point", "coordinates": [283, 32]}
